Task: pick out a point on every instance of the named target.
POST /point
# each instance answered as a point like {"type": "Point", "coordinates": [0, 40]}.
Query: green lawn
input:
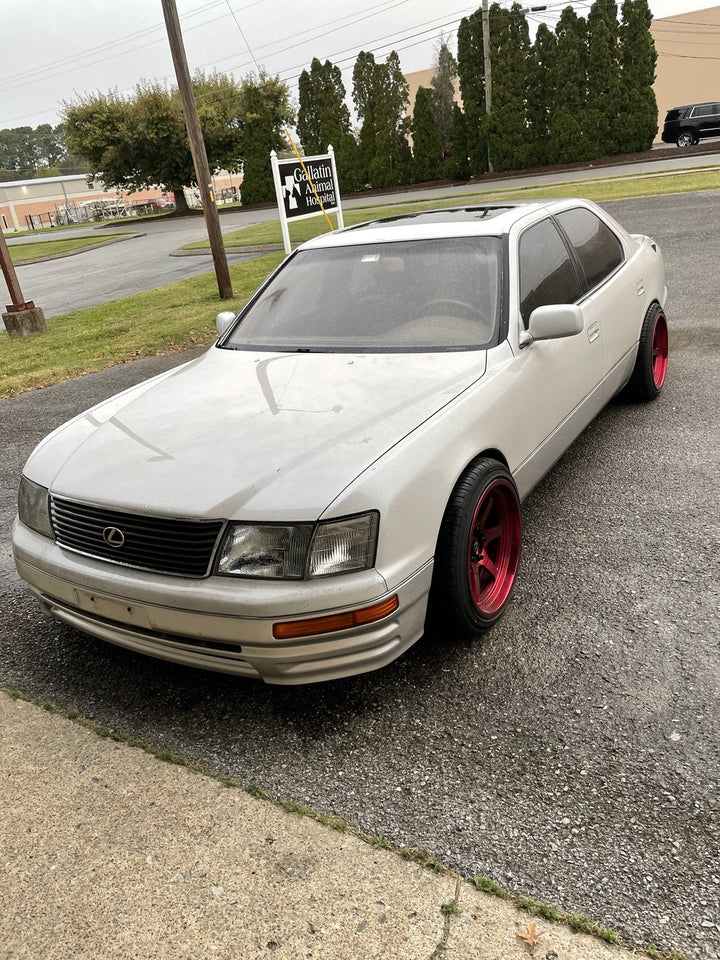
{"type": "Point", "coordinates": [21, 252]}
{"type": "Point", "coordinates": [173, 317]}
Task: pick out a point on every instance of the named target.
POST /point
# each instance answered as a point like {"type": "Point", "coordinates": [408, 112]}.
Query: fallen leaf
{"type": "Point", "coordinates": [531, 935]}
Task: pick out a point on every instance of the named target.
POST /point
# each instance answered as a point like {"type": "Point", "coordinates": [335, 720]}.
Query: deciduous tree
{"type": "Point", "coordinates": [140, 140]}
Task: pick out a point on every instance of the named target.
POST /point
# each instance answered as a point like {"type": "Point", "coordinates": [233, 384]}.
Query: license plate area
{"type": "Point", "coordinates": [109, 608]}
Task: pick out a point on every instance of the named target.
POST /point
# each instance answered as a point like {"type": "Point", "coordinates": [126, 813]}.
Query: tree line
{"type": "Point", "coordinates": [579, 92]}
{"type": "Point", "coordinates": [27, 152]}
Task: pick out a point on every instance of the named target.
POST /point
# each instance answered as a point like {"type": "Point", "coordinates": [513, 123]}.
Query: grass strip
{"type": "Point", "coordinates": [22, 252]}
{"type": "Point", "coordinates": [606, 189]}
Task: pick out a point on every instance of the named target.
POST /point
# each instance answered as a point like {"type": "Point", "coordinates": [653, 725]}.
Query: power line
{"type": "Point", "coordinates": [98, 48]}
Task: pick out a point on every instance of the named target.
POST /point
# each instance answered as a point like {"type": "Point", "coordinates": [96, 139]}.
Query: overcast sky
{"type": "Point", "coordinates": [55, 50]}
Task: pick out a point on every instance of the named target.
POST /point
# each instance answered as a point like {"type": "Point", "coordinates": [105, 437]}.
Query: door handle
{"type": "Point", "coordinates": [593, 332]}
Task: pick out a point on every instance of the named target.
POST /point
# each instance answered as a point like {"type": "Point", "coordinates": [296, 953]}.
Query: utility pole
{"type": "Point", "coordinates": [197, 148]}
{"type": "Point", "coordinates": [488, 66]}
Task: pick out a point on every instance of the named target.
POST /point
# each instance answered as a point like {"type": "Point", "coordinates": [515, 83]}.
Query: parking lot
{"type": "Point", "coordinates": [572, 754]}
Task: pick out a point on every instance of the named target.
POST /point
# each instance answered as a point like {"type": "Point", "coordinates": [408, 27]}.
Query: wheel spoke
{"type": "Point", "coordinates": [487, 508]}
{"type": "Point", "coordinates": [475, 579]}
{"type": "Point", "coordinates": [489, 566]}
{"type": "Point", "coordinates": [492, 533]}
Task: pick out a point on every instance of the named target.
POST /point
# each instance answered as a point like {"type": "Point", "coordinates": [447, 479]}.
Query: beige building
{"type": "Point", "coordinates": [53, 201]}
{"type": "Point", "coordinates": [50, 201]}
{"type": "Point", "coordinates": [688, 64]}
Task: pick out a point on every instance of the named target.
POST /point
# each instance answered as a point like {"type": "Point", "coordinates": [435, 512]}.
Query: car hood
{"type": "Point", "coordinates": [242, 434]}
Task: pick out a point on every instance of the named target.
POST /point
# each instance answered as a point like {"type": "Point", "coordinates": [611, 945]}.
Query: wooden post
{"type": "Point", "coordinates": [22, 317]}
{"type": "Point", "coordinates": [197, 148]}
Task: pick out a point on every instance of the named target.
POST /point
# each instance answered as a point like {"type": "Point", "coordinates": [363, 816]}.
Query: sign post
{"type": "Point", "coordinates": [306, 187]}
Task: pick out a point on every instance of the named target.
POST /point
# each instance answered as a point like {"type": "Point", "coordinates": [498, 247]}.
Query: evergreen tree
{"type": "Point", "coordinates": [568, 141]}
{"type": "Point", "coordinates": [380, 95]}
{"type": "Point", "coordinates": [427, 142]}
{"type": "Point", "coordinates": [603, 79]}
{"type": "Point", "coordinates": [323, 116]}
{"type": "Point", "coordinates": [364, 97]}
{"type": "Point", "coordinates": [541, 92]}
{"type": "Point", "coordinates": [324, 119]}
{"type": "Point", "coordinates": [457, 164]}
{"type": "Point", "coordinates": [265, 109]}
{"type": "Point", "coordinates": [471, 71]}
{"type": "Point", "coordinates": [442, 86]}
{"type": "Point", "coordinates": [508, 133]}
{"type": "Point", "coordinates": [638, 115]}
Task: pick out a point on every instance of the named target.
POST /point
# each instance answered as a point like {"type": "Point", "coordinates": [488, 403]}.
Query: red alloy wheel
{"type": "Point", "coordinates": [659, 351]}
{"type": "Point", "coordinates": [493, 550]}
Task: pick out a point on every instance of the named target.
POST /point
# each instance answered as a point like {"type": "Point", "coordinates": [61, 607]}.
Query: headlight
{"type": "Point", "coordinates": [341, 546]}
{"type": "Point", "coordinates": [33, 507]}
{"type": "Point", "coordinates": [297, 551]}
{"type": "Point", "coordinates": [265, 550]}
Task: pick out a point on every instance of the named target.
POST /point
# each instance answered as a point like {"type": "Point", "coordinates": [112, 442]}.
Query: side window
{"type": "Point", "coordinates": [598, 249]}
{"type": "Point", "coordinates": [547, 274]}
{"type": "Point", "coordinates": [702, 110]}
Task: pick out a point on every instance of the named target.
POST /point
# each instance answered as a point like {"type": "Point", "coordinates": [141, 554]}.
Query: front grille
{"type": "Point", "coordinates": [180, 547]}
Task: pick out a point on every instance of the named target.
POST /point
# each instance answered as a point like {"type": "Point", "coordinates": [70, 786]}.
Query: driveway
{"type": "Point", "coordinates": [572, 753]}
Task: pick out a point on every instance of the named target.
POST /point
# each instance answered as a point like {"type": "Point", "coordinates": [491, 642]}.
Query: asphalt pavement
{"type": "Point", "coordinates": [572, 754]}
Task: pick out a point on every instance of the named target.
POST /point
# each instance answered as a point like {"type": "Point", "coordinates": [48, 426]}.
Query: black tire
{"type": "Point", "coordinates": [651, 363]}
{"type": "Point", "coordinates": [685, 139]}
{"type": "Point", "coordinates": [478, 551]}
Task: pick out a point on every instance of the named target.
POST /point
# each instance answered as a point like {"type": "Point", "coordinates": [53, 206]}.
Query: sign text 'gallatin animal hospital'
{"type": "Point", "coordinates": [306, 187]}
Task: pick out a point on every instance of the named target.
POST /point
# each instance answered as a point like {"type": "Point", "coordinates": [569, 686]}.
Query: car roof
{"type": "Point", "coordinates": [688, 106]}
{"type": "Point", "coordinates": [490, 219]}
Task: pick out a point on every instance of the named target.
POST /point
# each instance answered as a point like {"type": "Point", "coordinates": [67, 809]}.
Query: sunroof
{"type": "Point", "coordinates": [453, 215]}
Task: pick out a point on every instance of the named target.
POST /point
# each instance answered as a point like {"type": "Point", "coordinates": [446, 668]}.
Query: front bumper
{"type": "Point", "coordinates": [219, 623]}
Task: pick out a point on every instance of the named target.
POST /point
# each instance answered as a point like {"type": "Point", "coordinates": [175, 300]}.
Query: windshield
{"type": "Point", "coordinates": [419, 295]}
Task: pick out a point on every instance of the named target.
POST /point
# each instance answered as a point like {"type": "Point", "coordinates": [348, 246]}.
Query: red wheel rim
{"type": "Point", "coordinates": [494, 548]}
{"type": "Point", "coordinates": [659, 351]}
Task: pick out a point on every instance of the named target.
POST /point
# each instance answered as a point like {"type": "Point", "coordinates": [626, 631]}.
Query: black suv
{"type": "Point", "coordinates": [688, 125]}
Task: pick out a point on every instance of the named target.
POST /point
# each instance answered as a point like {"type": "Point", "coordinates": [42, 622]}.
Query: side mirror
{"type": "Point", "coordinates": [553, 321]}
{"type": "Point", "coordinates": [223, 321]}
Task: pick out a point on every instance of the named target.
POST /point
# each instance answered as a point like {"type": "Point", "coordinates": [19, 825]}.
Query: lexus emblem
{"type": "Point", "coordinates": [113, 537]}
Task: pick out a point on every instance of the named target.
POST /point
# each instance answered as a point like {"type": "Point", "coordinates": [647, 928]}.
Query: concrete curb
{"type": "Point", "coordinates": [109, 852]}
{"type": "Point", "coordinates": [251, 248]}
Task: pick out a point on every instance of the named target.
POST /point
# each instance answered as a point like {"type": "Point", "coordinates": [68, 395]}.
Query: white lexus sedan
{"type": "Point", "coordinates": [349, 458]}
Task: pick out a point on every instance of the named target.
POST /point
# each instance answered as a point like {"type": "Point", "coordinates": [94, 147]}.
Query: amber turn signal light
{"type": "Point", "coordinates": [337, 621]}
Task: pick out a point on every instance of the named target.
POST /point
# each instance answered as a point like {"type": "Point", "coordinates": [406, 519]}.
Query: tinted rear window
{"type": "Point", "coordinates": [598, 249]}
{"type": "Point", "coordinates": [673, 115]}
